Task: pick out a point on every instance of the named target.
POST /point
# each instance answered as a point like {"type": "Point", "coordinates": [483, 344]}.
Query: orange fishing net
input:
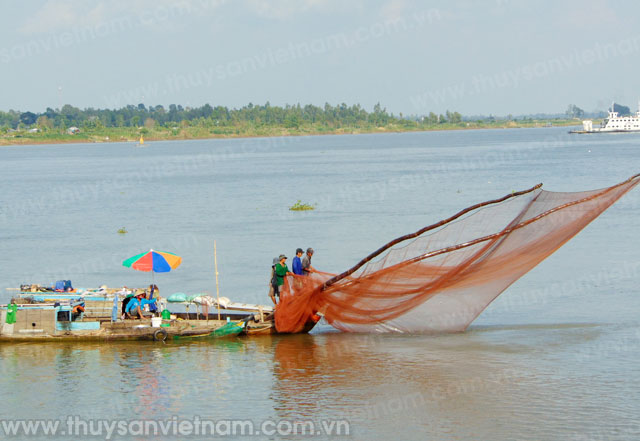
{"type": "Point", "coordinates": [442, 277]}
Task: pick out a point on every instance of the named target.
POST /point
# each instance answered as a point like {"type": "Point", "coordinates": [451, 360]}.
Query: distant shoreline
{"type": "Point", "coordinates": [132, 135]}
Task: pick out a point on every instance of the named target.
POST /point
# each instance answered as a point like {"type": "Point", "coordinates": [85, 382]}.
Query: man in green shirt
{"type": "Point", "coordinates": [282, 270]}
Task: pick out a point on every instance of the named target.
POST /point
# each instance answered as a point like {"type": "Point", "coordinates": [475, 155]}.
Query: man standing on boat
{"type": "Point", "coordinates": [306, 263]}
{"type": "Point", "coordinates": [273, 281]}
{"type": "Point", "coordinates": [297, 263]}
{"type": "Point", "coordinates": [282, 270]}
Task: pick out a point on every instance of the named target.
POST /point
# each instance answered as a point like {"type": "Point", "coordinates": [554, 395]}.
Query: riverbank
{"type": "Point", "coordinates": [133, 134]}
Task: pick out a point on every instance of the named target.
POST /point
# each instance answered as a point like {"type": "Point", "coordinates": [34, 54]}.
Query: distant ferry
{"type": "Point", "coordinates": [613, 123]}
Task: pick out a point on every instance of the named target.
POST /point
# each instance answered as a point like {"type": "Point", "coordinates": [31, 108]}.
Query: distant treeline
{"type": "Point", "coordinates": [290, 116]}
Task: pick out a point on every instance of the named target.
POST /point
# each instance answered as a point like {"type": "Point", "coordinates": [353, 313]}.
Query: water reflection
{"type": "Point", "coordinates": [459, 386]}
{"type": "Point", "coordinates": [373, 376]}
{"type": "Point", "coordinates": [478, 385]}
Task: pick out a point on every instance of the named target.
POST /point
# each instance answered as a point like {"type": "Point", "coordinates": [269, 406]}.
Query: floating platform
{"type": "Point", "coordinates": [49, 323]}
{"type": "Point", "coordinates": [60, 319]}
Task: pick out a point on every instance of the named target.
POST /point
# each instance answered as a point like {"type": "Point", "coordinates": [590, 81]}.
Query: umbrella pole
{"type": "Point", "coordinates": [215, 261]}
{"type": "Point", "coordinates": [153, 282]}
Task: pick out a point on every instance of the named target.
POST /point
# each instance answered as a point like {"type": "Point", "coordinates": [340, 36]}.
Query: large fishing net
{"type": "Point", "coordinates": [440, 278]}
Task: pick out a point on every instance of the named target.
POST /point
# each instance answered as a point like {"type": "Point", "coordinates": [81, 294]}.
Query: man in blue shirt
{"type": "Point", "coordinates": [134, 308]}
{"type": "Point", "coordinates": [297, 263]}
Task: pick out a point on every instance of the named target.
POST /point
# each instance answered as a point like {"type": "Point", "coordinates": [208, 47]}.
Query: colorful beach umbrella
{"type": "Point", "coordinates": [156, 261]}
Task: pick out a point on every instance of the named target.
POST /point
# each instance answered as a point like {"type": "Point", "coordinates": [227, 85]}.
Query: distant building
{"type": "Point", "coordinates": [73, 130]}
{"type": "Point", "coordinates": [34, 130]}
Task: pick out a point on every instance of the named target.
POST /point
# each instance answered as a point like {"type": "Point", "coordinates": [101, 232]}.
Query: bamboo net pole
{"type": "Point", "coordinates": [215, 260]}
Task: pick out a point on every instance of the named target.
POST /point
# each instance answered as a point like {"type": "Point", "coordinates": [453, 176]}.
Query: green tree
{"type": "Point", "coordinates": [253, 117]}
{"type": "Point", "coordinates": [453, 117]}
{"type": "Point", "coordinates": [292, 121]}
{"type": "Point", "coordinates": [44, 122]}
{"type": "Point", "coordinates": [28, 118]}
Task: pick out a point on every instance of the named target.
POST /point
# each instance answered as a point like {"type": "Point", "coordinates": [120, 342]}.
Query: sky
{"type": "Point", "coordinates": [496, 57]}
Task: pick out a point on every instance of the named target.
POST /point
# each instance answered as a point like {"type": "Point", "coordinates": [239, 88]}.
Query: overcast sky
{"type": "Point", "coordinates": [476, 57]}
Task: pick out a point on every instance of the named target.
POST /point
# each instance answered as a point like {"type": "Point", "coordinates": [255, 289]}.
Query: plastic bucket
{"type": "Point", "coordinates": [156, 322]}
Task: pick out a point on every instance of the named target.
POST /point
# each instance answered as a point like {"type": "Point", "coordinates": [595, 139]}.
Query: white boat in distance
{"type": "Point", "coordinates": [613, 123]}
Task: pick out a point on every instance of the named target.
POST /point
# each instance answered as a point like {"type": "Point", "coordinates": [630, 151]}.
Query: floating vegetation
{"type": "Point", "coordinates": [300, 206]}
{"type": "Point", "coordinates": [122, 230]}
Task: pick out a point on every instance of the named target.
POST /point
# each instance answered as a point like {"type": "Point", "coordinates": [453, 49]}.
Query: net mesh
{"type": "Point", "coordinates": [442, 277]}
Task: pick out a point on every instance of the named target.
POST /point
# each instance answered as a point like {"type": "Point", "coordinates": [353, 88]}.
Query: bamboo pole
{"type": "Point", "coordinates": [379, 251]}
{"type": "Point", "coordinates": [215, 261]}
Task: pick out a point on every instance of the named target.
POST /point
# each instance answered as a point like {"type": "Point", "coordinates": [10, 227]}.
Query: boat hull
{"type": "Point", "coordinates": [127, 330]}
{"type": "Point", "coordinates": [269, 327]}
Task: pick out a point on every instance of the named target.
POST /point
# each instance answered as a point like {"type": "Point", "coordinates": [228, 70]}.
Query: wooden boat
{"type": "Point", "coordinates": [265, 325]}
{"type": "Point", "coordinates": [257, 328]}
{"type": "Point", "coordinates": [229, 329]}
{"type": "Point", "coordinates": [44, 316]}
{"type": "Point", "coordinates": [255, 324]}
{"type": "Point", "coordinates": [65, 322]}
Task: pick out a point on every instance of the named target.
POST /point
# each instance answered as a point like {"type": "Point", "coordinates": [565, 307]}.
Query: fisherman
{"type": "Point", "coordinates": [134, 307]}
{"type": "Point", "coordinates": [273, 281]}
{"type": "Point", "coordinates": [306, 263]}
{"type": "Point", "coordinates": [281, 271]}
{"type": "Point", "coordinates": [297, 263]}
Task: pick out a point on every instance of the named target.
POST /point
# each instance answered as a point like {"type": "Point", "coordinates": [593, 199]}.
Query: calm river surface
{"type": "Point", "coordinates": [557, 356]}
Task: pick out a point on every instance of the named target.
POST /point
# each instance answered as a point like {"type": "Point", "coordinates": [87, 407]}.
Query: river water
{"type": "Point", "coordinates": [557, 356]}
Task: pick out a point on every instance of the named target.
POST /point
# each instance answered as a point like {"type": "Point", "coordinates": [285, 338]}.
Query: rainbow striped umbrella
{"type": "Point", "coordinates": [156, 261]}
